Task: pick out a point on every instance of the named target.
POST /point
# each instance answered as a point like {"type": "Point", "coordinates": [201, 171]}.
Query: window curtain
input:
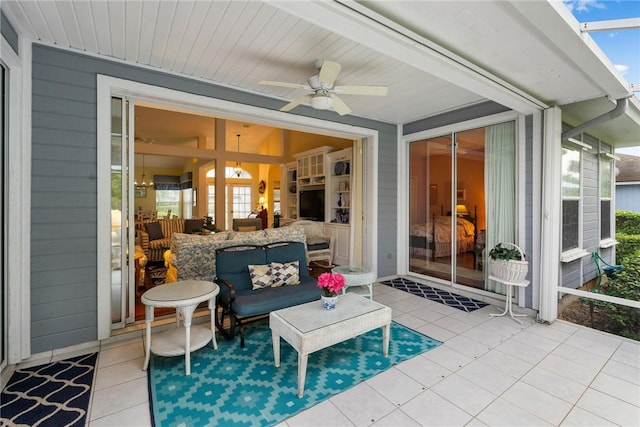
{"type": "Point", "coordinates": [500, 190]}
{"type": "Point", "coordinates": [166, 182]}
{"type": "Point", "coordinates": [186, 180]}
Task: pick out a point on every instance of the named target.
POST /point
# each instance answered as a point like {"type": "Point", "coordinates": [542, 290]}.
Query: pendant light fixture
{"type": "Point", "coordinates": [238, 169]}
{"type": "Point", "coordinates": [143, 183]}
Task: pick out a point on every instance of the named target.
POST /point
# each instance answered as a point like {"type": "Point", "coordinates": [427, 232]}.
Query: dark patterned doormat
{"type": "Point", "coordinates": [55, 394]}
{"type": "Point", "coordinates": [435, 294]}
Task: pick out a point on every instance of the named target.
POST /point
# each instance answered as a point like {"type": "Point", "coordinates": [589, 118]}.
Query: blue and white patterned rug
{"type": "Point", "coordinates": [435, 294]}
{"type": "Point", "coordinates": [55, 394]}
{"type": "Point", "coordinates": [236, 386]}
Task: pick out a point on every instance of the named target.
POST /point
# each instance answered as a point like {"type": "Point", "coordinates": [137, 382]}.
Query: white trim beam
{"type": "Point", "coordinates": [551, 215]}
{"type": "Point", "coordinates": [612, 24]}
{"type": "Point", "coordinates": [600, 297]}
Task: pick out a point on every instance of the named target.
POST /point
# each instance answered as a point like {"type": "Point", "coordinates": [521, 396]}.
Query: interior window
{"type": "Point", "coordinates": [168, 203]}
{"type": "Point", "coordinates": [571, 167]}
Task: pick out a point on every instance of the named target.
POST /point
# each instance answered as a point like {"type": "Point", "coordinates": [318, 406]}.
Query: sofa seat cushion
{"type": "Point", "coordinates": [318, 246]}
{"type": "Point", "coordinates": [160, 243]}
{"type": "Point", "coordinates": [263, 301]}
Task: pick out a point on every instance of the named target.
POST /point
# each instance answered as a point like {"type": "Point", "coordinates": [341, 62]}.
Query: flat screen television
{"type": "Point", "coordinates": [312, 205]}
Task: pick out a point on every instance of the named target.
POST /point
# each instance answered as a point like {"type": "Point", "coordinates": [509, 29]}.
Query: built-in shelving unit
{"type": "Point", "coordinates": [339, 186]}
{"type": "Point", "coordinates": [330, 172]}
{"type": "Point", "coordinates": [311, 167]}
{"type": "Point", "coordinates": [290, 210]}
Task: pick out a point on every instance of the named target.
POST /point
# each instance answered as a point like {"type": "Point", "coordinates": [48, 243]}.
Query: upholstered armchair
{"type": "Point", "coordinates": [319, 246]}
{"type": "Point", "coordinates": [247, 224]}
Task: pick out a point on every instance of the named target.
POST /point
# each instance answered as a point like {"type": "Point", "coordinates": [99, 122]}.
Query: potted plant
{"type": "Point", "coordinates": [331, 284]}
{"type": "Point", "coordinates": [508, 263]}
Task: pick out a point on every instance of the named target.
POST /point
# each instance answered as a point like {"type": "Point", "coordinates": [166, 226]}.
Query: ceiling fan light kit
{"type": "Point", "coordinates": [322, 86]}
{"type": "Point", "coordinates": [321, 102]}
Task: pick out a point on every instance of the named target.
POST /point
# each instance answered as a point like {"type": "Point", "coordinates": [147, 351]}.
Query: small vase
{"type": "Point", "coordinates": [339, 199]}
{"type": "Point", "coordinates": [329, 303]}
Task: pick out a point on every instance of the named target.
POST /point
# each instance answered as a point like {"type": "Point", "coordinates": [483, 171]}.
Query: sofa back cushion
{"type": "Point", "coordinates": [232, 264]}
{"type": "Point", "coordinates": [287, 252]}
{"type": "Point", "coordinates": [171, 226]}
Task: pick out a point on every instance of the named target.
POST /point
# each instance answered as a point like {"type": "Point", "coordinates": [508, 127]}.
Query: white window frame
{"type": "Point", "coordinates": [577, 252]}
{"type": "Point", "coordinates": [607, 242]}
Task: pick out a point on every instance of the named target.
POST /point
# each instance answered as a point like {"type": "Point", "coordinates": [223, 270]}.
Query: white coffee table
{"type": "Point", "coordinates": [184, 296]}
{"type": "Point", "coordinates": [308, 327]}
{"type": "Point", "coordinates": [358, 280]}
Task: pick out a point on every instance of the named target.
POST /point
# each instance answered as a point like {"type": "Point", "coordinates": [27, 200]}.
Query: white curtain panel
{"type": "Point", "coordinates": [500, 190]}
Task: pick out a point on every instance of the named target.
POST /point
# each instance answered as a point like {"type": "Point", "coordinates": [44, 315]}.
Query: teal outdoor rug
{"type": "Point", "coordinates": [235, 386]}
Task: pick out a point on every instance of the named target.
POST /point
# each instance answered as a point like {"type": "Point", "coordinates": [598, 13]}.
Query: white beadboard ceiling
{"type": "Point", "coordinates": [435, 56]}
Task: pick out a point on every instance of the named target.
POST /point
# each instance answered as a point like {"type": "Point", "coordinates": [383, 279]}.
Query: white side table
{"type": "Point", "coordinates": [358, 280]}
{"type": "Point", "coordinates": [508, 305]}
{"type": "Point", "coordinates": [184, 296]}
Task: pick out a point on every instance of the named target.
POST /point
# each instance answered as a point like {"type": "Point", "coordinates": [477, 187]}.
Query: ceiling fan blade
{"type": "Point", "coordinates": [284, 84]}
{"type": "Point", "coordinates": [329, 72]}
{"type": "Point", "coordinates": [362, 90]}
{"type": "Point", "coordinates": [339, 106]}
{"type": "Point", "coordinates": [293, 104]}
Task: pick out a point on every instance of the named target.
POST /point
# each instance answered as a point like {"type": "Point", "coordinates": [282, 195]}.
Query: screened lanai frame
{"type": "Point", "coordinates": [404, 251]}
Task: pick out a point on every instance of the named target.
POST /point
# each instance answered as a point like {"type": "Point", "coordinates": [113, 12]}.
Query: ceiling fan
{"type": "Point", "coordinates": [324, 94]}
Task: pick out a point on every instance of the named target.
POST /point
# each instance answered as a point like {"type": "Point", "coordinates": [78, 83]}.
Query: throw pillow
{"type": "Point", "coordinates": [193, 225]}
{"type": "Point", "coordinates": [155, 230]}
{"type": "Point", "coordinates": [260, 276]}
{"type": "Point", "coordinates": [287, 273]}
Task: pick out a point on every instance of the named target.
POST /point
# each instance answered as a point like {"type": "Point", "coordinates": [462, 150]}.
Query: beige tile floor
{"type": "Point", "coordinates": [489, 371]}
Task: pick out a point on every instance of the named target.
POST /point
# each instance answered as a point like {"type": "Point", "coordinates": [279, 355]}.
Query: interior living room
{"type": "Point", "coordinates": [260, 179]}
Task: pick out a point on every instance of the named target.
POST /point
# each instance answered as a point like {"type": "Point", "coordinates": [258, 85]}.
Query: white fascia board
{"type": "Point", "coordinates": [385, 36]}
{"type": "Point", "coordinates": [559, 27]}
{"type": "Point", "coordinates": [612, 24]}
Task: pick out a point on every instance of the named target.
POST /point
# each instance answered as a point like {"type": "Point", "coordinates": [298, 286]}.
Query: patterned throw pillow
{"type": "Point", "coordinates": [287, 273]}
{"type": "Point", "coordinates": [260, 276]}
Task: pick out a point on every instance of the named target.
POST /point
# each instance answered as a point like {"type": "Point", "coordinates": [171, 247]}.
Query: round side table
{"type": "Point", "coordinates": [358, 280]}
{"type": "Point", "coordinates": [184, 296]}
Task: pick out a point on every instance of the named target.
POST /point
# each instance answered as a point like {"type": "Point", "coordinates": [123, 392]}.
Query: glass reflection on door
{"type": "Point", "coordinates": [430, 190]}
{"type": "Point", "coordinates": [447, 207]}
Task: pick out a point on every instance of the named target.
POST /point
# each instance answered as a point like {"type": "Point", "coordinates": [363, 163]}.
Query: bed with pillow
{"type": "Point", "coordinates": [433, 239]}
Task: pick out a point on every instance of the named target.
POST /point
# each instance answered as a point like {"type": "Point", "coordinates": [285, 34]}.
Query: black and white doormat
{"type": "Point", "coordinates": [435, 294]}
{"type": "Point", "coordinates": [55, 394]}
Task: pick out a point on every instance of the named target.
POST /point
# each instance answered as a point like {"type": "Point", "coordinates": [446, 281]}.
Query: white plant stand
{"type": "Point", "coordinates": [509, 303]}
{"type": "Point", "coordinates": [184, 296]}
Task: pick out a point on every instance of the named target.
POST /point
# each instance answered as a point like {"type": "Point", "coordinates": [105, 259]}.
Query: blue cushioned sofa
{"type": "Point", "coordinates": [239, 302]}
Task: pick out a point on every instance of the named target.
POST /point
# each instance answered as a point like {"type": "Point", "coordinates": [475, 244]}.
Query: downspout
{"type": "Point", "coordinates": [618, 110]}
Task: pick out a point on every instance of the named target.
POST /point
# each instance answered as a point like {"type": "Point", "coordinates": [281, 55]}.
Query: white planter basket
{"type": "Point", "coordinates": [509, 271]}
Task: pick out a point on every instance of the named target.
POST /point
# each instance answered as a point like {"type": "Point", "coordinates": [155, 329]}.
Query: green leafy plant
{"type": "Point", "coordinates": [625, 284]}
{"type": "Point", "coordinates": [507, 253]}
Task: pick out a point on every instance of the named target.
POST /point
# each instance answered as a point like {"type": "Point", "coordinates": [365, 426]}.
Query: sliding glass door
{"type": "Point", "coordinates": [122, 236]}
{"type": "Point", "coordinates": [462, 200]}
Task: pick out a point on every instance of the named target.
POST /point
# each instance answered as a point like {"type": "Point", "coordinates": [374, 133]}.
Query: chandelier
{"type": "Point", "coordinates": [237, 170]}
{"type": "Point", "coordinates": [143, 182]}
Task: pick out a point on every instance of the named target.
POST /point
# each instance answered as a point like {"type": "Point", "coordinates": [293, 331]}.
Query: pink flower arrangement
{"type": "Point", "coordinates": [331, 284]}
